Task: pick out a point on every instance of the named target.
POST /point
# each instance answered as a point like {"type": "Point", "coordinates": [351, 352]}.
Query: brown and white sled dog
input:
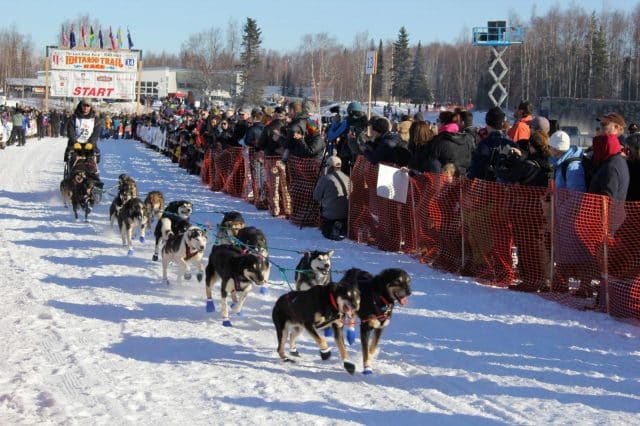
{"type": "Point", "coordinates": [127, 184]}
{"type": "Point", "coordinates": [313, 269]}
{"type": "Point", "coordinates": [132, 217]}
{"type": "Point", "coordinates": [237, 270]}
{"type": "Point", "coordinates": [378, 295]}
{"type": "Point", "coordinates": [312, 310]}
{"type": "Point", "coordinates": [154, 203]}
{"type": "Point", "coordinates": [174, 220]}
{"type": "Point", "coordinates": [228, 229]}
{"type": "Point", "coordinates": [125, 193]}
{"type": "Point", "coordinates": [185, 250]}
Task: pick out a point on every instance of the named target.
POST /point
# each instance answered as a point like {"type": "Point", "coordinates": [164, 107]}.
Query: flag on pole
{"type": "Point", "coordinates": [113, 41]}
{"type": "Point", "coordinates": [72, 38]}
{"type": "Point", "coordinates": [83, 35]}
{"type": "Point", "coordinates": [92, 36]}
{"type": "Point", "coordinates": [64, 39]}
{"type": "Point", "coordinates": [100, 38]}
{"type": "Point", "coordinates": [129, 38]}
{"type": "Point", "coordinates": [119, 38]}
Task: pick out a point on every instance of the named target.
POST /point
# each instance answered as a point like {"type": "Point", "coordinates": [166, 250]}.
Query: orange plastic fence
{"type": "Point", "coordinates": [303, 174]}
{"type": "Point", "coordinates": [562, 243]}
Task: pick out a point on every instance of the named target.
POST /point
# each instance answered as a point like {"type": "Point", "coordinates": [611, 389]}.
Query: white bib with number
{"type": "Point", "coordinates": [84, 129]}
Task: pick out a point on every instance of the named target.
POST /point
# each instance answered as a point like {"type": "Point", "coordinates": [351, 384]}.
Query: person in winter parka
{"type": "Point", "coordinates": [332, 193]}
{"type": "Point", "coordinates": [568, 174]}
{"type": "Point", "coordinates": [83, 127]}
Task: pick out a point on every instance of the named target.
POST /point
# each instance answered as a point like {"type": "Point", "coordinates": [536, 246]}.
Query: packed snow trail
{"type": "Point", "coordinates": [92, 336]}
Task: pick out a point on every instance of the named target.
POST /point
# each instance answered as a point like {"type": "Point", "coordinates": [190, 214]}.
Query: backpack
{"type": "Point", "coordinates": [587, 166]}
{"type": "Point", "coordinates": [498, 162]}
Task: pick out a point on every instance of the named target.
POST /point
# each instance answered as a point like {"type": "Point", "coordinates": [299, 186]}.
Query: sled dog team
{"type": "Point", "coordinates": [240, 259]}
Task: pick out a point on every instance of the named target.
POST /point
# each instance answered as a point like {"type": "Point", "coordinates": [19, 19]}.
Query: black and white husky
{"type": "Point", "coordinates": [131, 218]}
{"type": "Point", "coordinates": [174, 220]}
{"type": "Point", "coordinates": [237, 270]}
{"type": "Point", "coordinates": [313, 269]}
{"type": "Point", "coordinates": [185, 250]}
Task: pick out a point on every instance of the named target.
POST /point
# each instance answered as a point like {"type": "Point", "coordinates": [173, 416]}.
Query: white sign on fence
{"type": "Point", "coordinates": [392, 183]}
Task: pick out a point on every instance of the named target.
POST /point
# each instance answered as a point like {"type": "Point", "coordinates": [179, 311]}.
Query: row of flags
{"type": "Point", "coordinates": [115, 42]}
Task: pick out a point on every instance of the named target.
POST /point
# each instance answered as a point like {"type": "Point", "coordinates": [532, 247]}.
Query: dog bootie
{"type": "Point", "coordinates": [187, 276]}
{"type": "Point", "coordinates": [130, 252]}
{"type": "Point", "coordinates": [367, 371]}
{"type": "Point", "coordinates": [325, 354]}
{"type": "Point", "coordinates": [240, 313]}
{"type": "Point", "coordinates": [154, 257]}
{"type": "Point", "coordinates": [226, 323]}
{"type": "Point", "coordinates": [351, 335]}
{"type": "Point", "coordinates": [142, 238]}
{"type": "Point", "coordinates": [199, 276]}
{"type": "Point", "coordinates": [295, 353]}
{"type": "Point", "coordinates": [328, 332]}
{"type": "Point", "coordinates": [349, 366]}
{"type": "Point", "coordinates": [210, 306]}
{"type": "Point", "coordinates": [263, 290]}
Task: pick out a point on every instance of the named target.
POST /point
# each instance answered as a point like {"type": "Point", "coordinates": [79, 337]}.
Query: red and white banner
{"type": "Point", "coordinates": [94, 60]}
{"type": "Point", "coordinates": [92, 84]}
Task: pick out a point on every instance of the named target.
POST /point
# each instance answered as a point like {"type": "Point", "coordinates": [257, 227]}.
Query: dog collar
{"type": "Point", "coordinates": [332, 298]}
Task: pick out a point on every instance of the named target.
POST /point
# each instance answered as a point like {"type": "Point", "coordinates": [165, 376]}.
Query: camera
{"type": "Point", "coordinates": [335, 109]}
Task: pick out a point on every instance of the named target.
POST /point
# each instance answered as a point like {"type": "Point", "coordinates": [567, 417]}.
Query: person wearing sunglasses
{"type": "Point", "coordinates": [83, 127]}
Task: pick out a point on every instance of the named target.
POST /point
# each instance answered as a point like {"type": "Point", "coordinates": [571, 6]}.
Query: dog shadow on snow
{"type": "Point", "coordinates": [143, 311]}
{"type": "Point", "coordinates": [165, 350]}
{"type": "Point", "coordinates": [129, 284]}
{"type": "Point", "coordinates": [28, 197]}
{"type": "Point", "coordinates": [548, 361]}
{"type": "Point", "coordinates": [338, 409]}
{"type": "Point", "coordinates": [93, 261]}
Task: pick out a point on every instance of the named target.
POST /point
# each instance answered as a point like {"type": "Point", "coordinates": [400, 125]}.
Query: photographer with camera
{"type": "Point", "coordinates": [350, 143]}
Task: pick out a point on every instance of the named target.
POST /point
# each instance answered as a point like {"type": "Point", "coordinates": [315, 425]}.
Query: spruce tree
{"type": "Point", "coordinates": [419, 91]}
{"type": "Point", "coordinates": [401, 70]}
{"type": "Point", "coordinates": [600, 64]}
{"type": "Point", "coordinates": [250, 61]}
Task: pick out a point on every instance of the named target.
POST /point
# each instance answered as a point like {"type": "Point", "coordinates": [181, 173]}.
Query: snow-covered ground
{"type": "Point", "coordinates": [90, 335]}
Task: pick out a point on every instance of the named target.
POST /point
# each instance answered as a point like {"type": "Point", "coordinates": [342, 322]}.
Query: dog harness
{"type": "Point", "coordinates": [382, 310]}
{"type": "Point", "coordinates": [337, 316]}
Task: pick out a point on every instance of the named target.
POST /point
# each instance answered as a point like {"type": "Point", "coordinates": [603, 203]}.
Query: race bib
{"type": "Point", "coordinates": [84, 129]}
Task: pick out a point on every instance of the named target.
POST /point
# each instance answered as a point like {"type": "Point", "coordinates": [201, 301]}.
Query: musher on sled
{"type": "Point", "coordinates": [82, 152]}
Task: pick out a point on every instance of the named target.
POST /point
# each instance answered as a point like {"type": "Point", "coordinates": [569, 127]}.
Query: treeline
{"type": "Point", "coordinates": [18, 56]}
{"type": "Point", "coordinates": [570, 53]}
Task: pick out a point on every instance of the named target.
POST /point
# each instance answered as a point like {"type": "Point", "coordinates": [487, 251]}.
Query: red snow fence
{"type": "Point", "coordinates": [582, 250]}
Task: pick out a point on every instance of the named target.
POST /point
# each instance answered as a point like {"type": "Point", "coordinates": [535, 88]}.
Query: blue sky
{"type": "Point", "coordinates": [160, 24]}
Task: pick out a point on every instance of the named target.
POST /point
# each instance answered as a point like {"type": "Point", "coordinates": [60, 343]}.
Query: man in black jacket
{"type": "Point", "coordinates": [485, 157]}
